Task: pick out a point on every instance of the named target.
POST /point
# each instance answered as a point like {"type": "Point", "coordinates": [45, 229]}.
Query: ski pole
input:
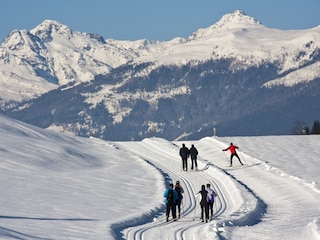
{"type": "Point", "coordinates": [194, 212]}
{"type": "Point", "coordinates": [225, 155]}
{"type": "Point", "coordinates": [182, 205]}
{"type": "Point", "coordinates": [180, 209]}
{"type": "Point", "coordinates": [243, 158]}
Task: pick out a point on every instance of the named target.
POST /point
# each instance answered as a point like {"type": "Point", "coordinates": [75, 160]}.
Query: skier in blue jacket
{"type": "Point", "coordinates": [172, 197]}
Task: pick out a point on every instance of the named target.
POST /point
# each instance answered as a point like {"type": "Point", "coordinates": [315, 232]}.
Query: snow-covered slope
{"type": "Point", "coordinates": [36, 61]}
{"type": "Point", "coordinates": [62, 187]}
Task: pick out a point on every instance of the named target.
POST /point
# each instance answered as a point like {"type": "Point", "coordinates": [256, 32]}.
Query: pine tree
{"type": "Point", "coordinates": [316, 127]}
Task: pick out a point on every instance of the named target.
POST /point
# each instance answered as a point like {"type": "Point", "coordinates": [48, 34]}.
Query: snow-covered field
{"type": "Point", "coordinates": [55, 186]}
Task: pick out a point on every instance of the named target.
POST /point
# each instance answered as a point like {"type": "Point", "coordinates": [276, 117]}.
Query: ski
{"type": "Point", "coordinates": [241, 166]}
{"type": "Point", "coordinates": [233, 167]}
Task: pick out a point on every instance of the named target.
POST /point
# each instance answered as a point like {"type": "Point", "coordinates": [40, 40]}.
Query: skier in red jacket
{"type": "Point", "coordinates": [233, 151]}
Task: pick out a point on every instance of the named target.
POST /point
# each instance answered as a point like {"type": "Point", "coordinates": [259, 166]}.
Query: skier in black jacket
{"type": "Point", "coordinates": [184, 154]}
{"type": "Point", "coordinates": [204, 204]}
{"type": "Point", "coordinates": [180, 191]}
{"type": "Point", "coordinates": [194, 154]}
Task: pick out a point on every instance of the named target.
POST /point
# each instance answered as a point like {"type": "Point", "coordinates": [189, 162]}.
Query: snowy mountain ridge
{"type": "Point", "coordinates": [235, 72]}
{"type": "Point", "coordinates": [50, 55]}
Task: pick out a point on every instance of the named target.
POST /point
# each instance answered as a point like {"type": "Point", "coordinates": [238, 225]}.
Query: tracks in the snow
{"type": "Point", "coordinates": [241, 203]}
{"type": "Point", "coordinates": [165, 156]}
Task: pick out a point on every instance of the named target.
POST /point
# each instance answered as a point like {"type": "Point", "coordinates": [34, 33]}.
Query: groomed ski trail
{"type": "Point", "coordinates": [189, 227]}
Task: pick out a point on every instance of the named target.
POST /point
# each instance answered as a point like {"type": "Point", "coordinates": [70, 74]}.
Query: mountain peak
{"type": "Point", "coordinates": [236, 19]}
{"type": "Point", "coordinates": [232, 21]}
{"type": "Point", "coordinates": [49, 24]}
{"type": "Point", "coordinates": [47, 28]}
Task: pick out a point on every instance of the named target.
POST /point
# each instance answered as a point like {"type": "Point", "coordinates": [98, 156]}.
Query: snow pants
{"type": "Point", "coordinates": [234, 155]}
{"type": "Point", "coordinates": [184, 164]}
{"type": "Point", "coordinates": [179, 206]}
{"type": "Point", "coordinates": [194, 163]}
{"type": "Point", "coordinates": [171, 207]}
{"type": "Point", "coordinates": [210, 204]}
{"type": "Point", "coordinates": [204, 210]}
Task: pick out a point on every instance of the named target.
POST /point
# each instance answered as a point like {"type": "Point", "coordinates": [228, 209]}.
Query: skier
{"type": "Point", "coordinates": [204, 203]}
{"type": "Point", "coordinates": [171, 199]}
{"type": "Point", "coordinates": [180, 191]}
{"type": "Point", "coordinates": [193, 153]}
{"type": "Point", "coordinates": [184, 154]}
{"type": "Point", "coordinates": [233, 151]}
{"type": "Point", "coordinates": [211, 195]}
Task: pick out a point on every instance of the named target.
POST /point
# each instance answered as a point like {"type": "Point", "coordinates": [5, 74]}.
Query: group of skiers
{"type": "Point", "coordinates": [206, 202]}
{"type": "Point", "coordinates": [173, 194]}
{"type": "Point", "coordinates": [193, 153]}
{"type": "Point", "coordinates": [185, 153]}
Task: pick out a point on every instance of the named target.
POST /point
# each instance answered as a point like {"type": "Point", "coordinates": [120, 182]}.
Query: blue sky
{"type": "Point", "coordinates": [150, 19]}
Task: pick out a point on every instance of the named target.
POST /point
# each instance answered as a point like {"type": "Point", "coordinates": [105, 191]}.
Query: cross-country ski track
{"type": "Point", "coordinates": [248, 196]}
{"type": "Point", "coordinates": [57, 186]}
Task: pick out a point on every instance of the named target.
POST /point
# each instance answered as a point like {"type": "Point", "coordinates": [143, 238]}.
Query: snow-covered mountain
{"type": "Point", "coordinates": [50, 55]}
{"type": "Point", "coordinates": [34, 62]}
{"type": "Point", "coordinates": [235, 71]}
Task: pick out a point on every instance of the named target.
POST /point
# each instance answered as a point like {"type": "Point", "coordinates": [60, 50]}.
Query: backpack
{"type": "Point", "coordinates": [211, 195]}
{"type": "Point", "coordinates": [170, 196]}
{"type": "Point", "coordinates": [178, 190]}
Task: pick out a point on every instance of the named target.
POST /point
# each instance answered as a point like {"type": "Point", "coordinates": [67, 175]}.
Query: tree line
{"type": "Point", "coordinates": [301, 128]}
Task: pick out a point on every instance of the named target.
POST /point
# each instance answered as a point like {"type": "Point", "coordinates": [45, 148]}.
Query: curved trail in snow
{"type": "Point", "coordinates": [242, 205]}
{"type": "Point", "coordinates": [248, 196]}
{"type": "Point", "coordinates": [189, 226]}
